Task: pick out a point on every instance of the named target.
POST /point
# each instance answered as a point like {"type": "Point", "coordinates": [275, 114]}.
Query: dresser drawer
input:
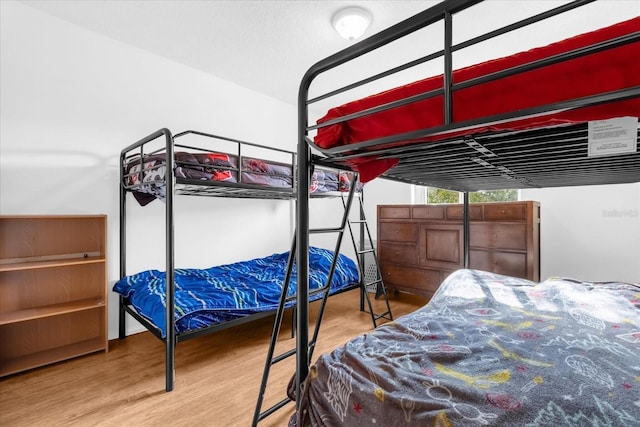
{"type": "Point", "coordinates": [456, 212]}
{"type": "Point", "coordinates": [507, 263]}
{"type": "Point", "coordinates": [503, 211]}
{"type": "Point", "coordinates": [499, 235]}
{"type": "Point", "coordinates": [394, 212]}
{"type": "Point", "coordinates": [398, 232]}
{"type": "Point", "coordinates": [428, 212]}
{"type": "Point", "coordinates": [398, 254]}
{"type": "Point", "coordinates": [421, 281]}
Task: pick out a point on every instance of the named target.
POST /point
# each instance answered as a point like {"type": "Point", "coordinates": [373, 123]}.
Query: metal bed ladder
{"type": "Point", "coordinates": [272, 358]}
{"type": "Point", "coordinates": [370, 274]}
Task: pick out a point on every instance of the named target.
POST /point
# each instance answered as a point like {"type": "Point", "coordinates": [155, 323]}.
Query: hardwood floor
{"type": "Point", "coordinates": [217, 376]}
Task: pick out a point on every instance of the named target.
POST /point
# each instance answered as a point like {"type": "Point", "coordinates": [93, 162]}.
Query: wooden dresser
{"type": "Point", "coordinates": [420, 245]}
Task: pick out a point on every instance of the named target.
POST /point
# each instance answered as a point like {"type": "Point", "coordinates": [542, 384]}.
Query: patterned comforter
{"type": "Point", "coordinates": [489, 350]}
{"type": "Point", "coordinates": [147, 181]}
{"type": "Point", "coordinates": [204, 297]}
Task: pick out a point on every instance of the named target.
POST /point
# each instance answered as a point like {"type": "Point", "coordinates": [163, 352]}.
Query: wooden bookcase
{"type": "Point", "coordinates": [53, 282]}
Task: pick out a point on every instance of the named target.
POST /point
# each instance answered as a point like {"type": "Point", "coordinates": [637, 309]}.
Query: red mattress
{"type": "Point", "coordinates": [606, 71]}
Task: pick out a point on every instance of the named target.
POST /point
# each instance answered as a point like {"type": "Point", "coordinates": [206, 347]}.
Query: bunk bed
{"type": "Point", "coordinates": [561, 115]}
{"type": "Point", "coordinates": [182, 303]}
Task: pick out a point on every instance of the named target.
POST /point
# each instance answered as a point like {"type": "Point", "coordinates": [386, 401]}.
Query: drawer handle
{"type": "Point", "coordinates": [397, 253]}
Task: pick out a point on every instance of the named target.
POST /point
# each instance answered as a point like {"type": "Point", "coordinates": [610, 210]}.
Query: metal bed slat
{"type": "Point", "coordinates": [529, 155]}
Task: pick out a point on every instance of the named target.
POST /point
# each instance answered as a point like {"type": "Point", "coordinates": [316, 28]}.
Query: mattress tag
{"type": "Point", "coordinates": [613, 136]}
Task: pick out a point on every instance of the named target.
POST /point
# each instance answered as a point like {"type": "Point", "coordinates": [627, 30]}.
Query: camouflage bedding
{"type": "Point", "coordinates": [489, 350]}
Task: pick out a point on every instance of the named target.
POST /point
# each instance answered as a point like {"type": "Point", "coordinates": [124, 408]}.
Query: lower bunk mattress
{"type": "Point", "coordinates": [489, 350]}
{"type": "Point", "coordinates": [206, 297]}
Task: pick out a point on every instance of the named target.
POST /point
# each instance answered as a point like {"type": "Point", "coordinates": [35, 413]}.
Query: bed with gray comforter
{"type": "Point", "coordinates": [489, 350]}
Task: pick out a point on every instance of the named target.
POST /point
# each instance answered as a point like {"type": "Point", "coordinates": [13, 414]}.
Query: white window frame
{"type": "Point", "coordinates": [419, 192]}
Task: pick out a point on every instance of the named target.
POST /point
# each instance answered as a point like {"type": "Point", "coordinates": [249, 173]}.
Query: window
{"type": "Point", "coordinates": [432, 195]}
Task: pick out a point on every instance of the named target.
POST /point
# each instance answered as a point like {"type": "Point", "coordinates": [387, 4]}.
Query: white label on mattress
{"type": "Point", "coordinates": [613, 136]}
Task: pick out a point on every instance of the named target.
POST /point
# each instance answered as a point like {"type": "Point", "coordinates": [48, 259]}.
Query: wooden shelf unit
{"type": "Point", "coordinates": [53, 289]}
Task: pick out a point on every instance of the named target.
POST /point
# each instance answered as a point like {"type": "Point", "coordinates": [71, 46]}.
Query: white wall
{"type": "Point", "coordinates": [324, 212]}
{"type": "Point", "coordinates": [72, 99]}
{"type": "Point", "coordinates": [384, 192]}
{"type": "Point", "coordinates": [590, 233]}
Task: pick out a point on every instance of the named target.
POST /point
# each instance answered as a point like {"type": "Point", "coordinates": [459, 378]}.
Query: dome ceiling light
{"type": "Point", "coordinates": [351, 22]}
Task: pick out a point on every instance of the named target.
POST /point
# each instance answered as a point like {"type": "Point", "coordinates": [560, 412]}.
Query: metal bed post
{"type": "Point", "coordinates": [304, 158]}
{"type": "Point", "coordinates": [361, 247]}
{"type": "Point", "coordinates": [466, 229]}
{"type": "Point", "coordinates": [448, 69]}
{"type": "Point", "coordinates": [170, 340]}
{"type": "Point", "coordinates": [123, 247]}
{"type": "Point", "coordinates": [302, 236]}
{"type": "Point", "coordinates": [448, 119]}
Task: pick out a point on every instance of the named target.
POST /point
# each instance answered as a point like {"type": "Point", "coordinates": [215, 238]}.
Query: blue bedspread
{"type": "Point", "coordinates": [222, 293]}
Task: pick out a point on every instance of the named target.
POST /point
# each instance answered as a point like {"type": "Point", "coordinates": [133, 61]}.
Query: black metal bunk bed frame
{"type": "Point", "coordinates": [423, 164]}
{"type": "Point", "coordinates": [195, 187]}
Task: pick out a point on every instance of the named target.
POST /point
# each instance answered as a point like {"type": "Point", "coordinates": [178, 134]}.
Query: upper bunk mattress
{"type": "Point", "coordinates": [604, 71]}
{"type": "Point", "coordinates": [147, 181]}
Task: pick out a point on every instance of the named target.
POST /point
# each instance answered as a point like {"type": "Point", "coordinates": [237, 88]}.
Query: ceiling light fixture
{"type": "Point", "coordinates": [351, 22]}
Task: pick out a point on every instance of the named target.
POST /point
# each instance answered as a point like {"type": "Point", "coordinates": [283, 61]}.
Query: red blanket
{"type": "Point", "coordinates": [609, 70]}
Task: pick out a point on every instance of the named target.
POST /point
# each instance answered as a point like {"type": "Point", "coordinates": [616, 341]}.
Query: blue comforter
{"type": "Point", "coordinates": [218, 294]}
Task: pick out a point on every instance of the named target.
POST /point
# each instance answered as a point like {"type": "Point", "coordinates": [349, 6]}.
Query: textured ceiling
{"type": "Point", "coordinates": [263, 45]}
{"type": "Point", "coordinates": [267, 46]}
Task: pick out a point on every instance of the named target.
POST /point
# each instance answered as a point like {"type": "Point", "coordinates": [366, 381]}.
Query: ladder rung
{"type": "Point", "coordinates": [283, 356]}
{"type": "Point", "coordinates": [377, 281]}
{"type": "Point", "coordinates": [274, 408]}
{"type": "Point", "coordinates": [318, 291]}
{"type": "Point", "coordinates": [365, 251]}
{"type": "Point", "coordinates": [358, 221]}
{"type": "Point", "coordinates": [311, 293]}
{"type": "Point", "coordinates": [326, 230]}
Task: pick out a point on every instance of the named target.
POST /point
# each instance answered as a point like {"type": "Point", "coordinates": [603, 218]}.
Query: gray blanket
{"type": "Point", "coordinates": [489, 350]}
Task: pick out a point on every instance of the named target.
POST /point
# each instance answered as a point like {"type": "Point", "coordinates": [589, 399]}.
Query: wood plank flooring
{"type": "Point", "coordinates": [217, 376]}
